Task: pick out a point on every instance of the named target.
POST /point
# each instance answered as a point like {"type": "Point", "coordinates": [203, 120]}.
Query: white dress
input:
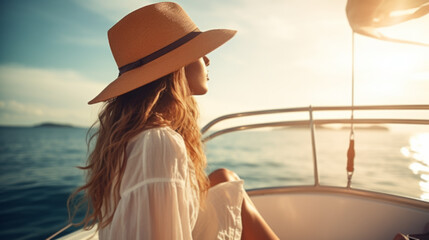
{"type": "Point", "coordinates": [158, 202]}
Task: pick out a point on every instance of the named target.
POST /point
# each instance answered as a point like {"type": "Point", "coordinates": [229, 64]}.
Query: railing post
{"type": "Point", "coordinates": [313, 145]}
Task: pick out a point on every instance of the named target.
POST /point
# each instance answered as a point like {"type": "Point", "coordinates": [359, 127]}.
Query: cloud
{"type": "Point", "coordinates": [276, 20]}
{"type": "Point", "coordinates": [31, 95]}
{"type": "Point", "coordinates": [272, 18]}
{"type": "Point", "coordinates": [86, 41]}
{"type": "Point", "coordinates": [13, 107]}
{"type": "Point", "coordinates": [113, 10]}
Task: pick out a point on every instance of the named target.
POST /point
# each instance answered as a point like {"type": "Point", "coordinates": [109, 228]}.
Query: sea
{"type": "Point", "coordinates": [38, 167]}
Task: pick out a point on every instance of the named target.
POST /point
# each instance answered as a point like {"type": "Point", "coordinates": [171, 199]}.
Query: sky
{"type": "Point", "coordinates": [55, 57]}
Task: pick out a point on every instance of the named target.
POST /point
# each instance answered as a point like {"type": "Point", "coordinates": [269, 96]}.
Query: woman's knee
{"type": "Point", "coordinates": [222, 175]}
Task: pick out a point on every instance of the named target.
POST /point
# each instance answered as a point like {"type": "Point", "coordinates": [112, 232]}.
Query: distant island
{"type": "Point", "coordinates": [317, 126]}
{"type": "Point", "coordinates": [370, 127]}
{"type": "Point", "coordinates": [53, 125]}
{"type": "Point", "coordinates": [344, 127]}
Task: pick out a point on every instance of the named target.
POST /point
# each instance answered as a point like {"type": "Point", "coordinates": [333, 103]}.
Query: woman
{"type": "Point", "coordinates": [145, 176]}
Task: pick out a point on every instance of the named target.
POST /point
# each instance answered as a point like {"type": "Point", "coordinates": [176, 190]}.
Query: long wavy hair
{"type": "Point", "coordinates": [164, 102]}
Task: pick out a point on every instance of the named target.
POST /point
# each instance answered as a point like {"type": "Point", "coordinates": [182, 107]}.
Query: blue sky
{"type": "Point", "coordinates": [54, 57]}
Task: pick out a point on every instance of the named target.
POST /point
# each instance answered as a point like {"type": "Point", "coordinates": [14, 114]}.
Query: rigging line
{"type": "Point", "coordinates": [351, 149]}
{"type": "Point", "coordinates": [353, 85]}
{"type": "Point", "coordinates": [59, 231]}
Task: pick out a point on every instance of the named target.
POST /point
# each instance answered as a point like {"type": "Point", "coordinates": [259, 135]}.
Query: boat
{"type": "Point", "coordinates": [319, 211]}
{"type": "Point", "coordinates": [330, 212]}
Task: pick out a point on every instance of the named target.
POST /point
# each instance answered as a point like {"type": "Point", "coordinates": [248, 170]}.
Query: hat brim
{"type": "Point", "coordinates": [189, 52]}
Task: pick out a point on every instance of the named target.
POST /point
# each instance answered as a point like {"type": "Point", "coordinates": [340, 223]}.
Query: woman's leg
{"type": "Point", "coordinates": [254, 226]}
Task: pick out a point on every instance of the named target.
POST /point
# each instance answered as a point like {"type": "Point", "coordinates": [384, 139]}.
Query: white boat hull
{"type": "Point", "coordinates": [339, 213]}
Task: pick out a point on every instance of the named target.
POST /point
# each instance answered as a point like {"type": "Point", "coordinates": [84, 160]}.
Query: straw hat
{"type": "Point", "coordinates": [154, 41]}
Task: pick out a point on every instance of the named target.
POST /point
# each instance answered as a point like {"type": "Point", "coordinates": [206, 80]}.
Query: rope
{"type": "Point", "coordinates": [351, 150]}
{"type": "Point", "coordinates": [353, 83]}
{"type": "Point", "coordinates": [60, 231]}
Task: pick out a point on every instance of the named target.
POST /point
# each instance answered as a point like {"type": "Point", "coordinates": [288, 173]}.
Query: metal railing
{"type": "Point", "coordinates": [311, 122]}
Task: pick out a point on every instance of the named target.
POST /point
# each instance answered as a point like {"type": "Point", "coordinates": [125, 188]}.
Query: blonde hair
{"type": "Point", "coordinates": [164, 102]}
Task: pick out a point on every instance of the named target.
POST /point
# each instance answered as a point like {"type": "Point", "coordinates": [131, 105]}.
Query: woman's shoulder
{"type": "Point", "coordinates": [156, 154]}
{"type": "Point", "coordinates": [158, 137]}
{"type": "Point", "coordinates": [156, 132]}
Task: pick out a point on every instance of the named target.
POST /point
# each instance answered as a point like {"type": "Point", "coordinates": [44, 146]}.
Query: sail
{"type": "Point", "coordinates": [369, 17]}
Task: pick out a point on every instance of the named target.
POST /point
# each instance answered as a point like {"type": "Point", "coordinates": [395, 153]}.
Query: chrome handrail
{"type": "Point", "coordinates": [209, 125]}
{"type": "Point", "coordinates": [311, 123]}
{"type": "Point", "coordinates": [316, 122]}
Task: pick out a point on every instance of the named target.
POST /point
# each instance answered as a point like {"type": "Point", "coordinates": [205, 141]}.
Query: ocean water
{"type": "Point", "coordinates": [38, 167]}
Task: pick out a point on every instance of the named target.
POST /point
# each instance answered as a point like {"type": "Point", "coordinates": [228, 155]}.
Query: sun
{"type": "Point", "coordinates": [386, 69]}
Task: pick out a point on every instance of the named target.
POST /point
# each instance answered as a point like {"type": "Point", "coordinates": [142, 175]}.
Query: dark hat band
{"type": "Point", "coordinates": [160, 52]}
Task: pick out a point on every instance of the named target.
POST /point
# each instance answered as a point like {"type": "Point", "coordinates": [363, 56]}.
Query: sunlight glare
{"type": "Point", "coordinates": [424, 186]}
{"type": "Point", "coordinates": [417, 168]}
{"type": "Point", "coordinates": [386, 69]}
{"type": "Point", "coordinates": [419, 144]}
{"type": "Point", "coordinates": [418, 151]}
{"type": "Point", "coordinates": [405, 152]}
{"type": "Point", "coordinates": [425, 177]}
{"type": "Point", "coordinates": [424, 196]}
